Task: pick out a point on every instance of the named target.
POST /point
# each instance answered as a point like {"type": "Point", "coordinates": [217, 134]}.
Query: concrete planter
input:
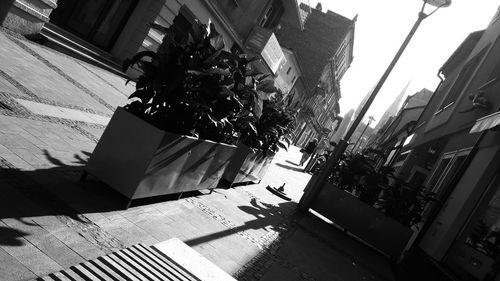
{"type": "Point", "coordinates": [247, 165]}
{"type": "Point", "coordinates": [363, 221]}
{"type": "Point", "coordinates": [139, 160]}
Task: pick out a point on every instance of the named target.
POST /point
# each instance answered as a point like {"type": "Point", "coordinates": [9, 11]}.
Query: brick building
{"type": "Point", "coordinates": [324, 51]}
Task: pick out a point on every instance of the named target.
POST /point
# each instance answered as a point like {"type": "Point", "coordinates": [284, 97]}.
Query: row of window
{"type": "Point", "coordinates": [466, 74]}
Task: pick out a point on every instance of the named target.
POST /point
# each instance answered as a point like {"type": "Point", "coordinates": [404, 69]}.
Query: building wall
{"type": "Point", "coordinates": [465, 195]}
{"type": "Point", "coordinates": [244, 15]}
{"type": "Point", "coordinates": [26, 16]}
{"type": "Point", "coordinates": [289, 72]}
{"type": "Point", "coordinates": [453, 117]}
{"type": "Point", "coordinates": [168, 10]}
{"type": "Point", "coordinates": [452, 124]}
{"type": "Point", "coordinates": [135, 32]}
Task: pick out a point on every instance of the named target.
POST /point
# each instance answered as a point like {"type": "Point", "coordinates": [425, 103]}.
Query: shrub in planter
{"type": "Point", "coordinates": [260, 142]}
{"type": "Point", "coordinates": [380, 189]}
{"type": "Point", "coordinates": [192, 100]}
{"type": "Point", "coordinates": [188, 86]}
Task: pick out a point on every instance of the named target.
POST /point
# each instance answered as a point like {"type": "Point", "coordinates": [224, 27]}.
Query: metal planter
{"type": "Point", "coordinates": [139, 160]}
{"type": "Point", "coordinates": [363, 221]}
{"type": "Point", "coordinates": [247, 165]}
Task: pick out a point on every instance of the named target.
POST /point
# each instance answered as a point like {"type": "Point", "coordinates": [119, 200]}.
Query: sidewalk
{"type": "Point", "coordinates": [53, 110]}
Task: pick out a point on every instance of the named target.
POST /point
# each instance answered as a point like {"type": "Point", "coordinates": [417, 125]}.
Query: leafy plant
{"type": "Point", "coordinates": [189, 85]}
{"type": "Point", "coordinates": [273, 128]}
{"type": "Point", "coordinates": [193, 86]}
{"type": "Point", "coordinates": [404, 202]}
{"type": "Point", "coordinates": [357, 173]}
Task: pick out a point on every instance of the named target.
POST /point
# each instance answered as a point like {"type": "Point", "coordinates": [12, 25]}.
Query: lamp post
{"type": "Point", "coordinates": [366, 127]}
{"type": "Point", "coordinates": [315, 185]}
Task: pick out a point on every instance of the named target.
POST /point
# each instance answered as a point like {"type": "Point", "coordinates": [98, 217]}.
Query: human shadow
{"type": "Point", "coordinates": [290, 162]}
{"type": "Point", "coordinates": [296, 169]}
{"type": "Point", "coordinates": [267, 216]}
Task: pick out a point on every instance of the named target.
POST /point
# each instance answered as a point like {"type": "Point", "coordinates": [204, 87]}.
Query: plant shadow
{"type": "Point", "coordinates": [57, 191]}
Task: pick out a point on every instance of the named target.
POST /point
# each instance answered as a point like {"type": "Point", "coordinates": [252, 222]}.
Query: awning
{"type": "Point", "coordinates": [486, 122]}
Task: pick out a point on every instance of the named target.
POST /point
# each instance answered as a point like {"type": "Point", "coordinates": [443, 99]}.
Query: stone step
{"type": "Point", "coordinates": [138, 262]}
{"type": "Point", "coordinates": [65, 42]}
{"type": "Point", "coordinates": [168, 260]}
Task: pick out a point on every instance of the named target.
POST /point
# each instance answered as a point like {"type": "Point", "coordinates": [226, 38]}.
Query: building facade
{"type": "Point", "coordinates": [109, 31]}
{"type": "Point", "coordinates": [457, 152]}
{"type": "Point", "coordinates": [324, 52]}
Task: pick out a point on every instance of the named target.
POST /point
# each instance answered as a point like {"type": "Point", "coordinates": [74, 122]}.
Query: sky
{"type": "Point", "coordinates": [381, 28]}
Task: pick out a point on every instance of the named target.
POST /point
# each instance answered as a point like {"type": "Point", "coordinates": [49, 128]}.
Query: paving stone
{"type": "Point", "coordinates": [18, 162]}
{"type": "Point", "coordinates": [31, 138]}
{"type": "Point", "coordinates": [76, 242]}
{"type": "Point", "coordinates": [126, 89]}
{"type": "Point", "coordinates": [4, 150]}
{"type": "Point", "coordinates": [5, 86]}
{"type": "Point", "coordinates": [32, 258]}
{"type": "Point", "coordinates": [12, 269]}
{"type": "Point", "coordinates": [30, 157]}
{"type": "Point", "coordinates": [75, 70]}
{"type": "Point", "coordinates": [58, 251]}
{"type": "Point", "coordinates": [47, 84]}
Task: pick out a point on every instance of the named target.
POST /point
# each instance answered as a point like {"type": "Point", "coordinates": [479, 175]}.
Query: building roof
{"type": "Point", "coordinates": [461, 53]}
{"type": "Point", "coordinates": [316, 43]}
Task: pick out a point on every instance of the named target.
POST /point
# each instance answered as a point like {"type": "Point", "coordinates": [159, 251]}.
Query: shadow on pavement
{"type": "Point", "coordinates": [56, 191]}
{"type": "Point", "coordinates": [267, 216]}
{"type": "Point", "coordinates": [309, 249]}
{"type": "Point", "coordinates": [11, 237]}
{"type": "Point", "coordinates": [290, 162]}
{"type": "Point", "coordinates": [299, 169]}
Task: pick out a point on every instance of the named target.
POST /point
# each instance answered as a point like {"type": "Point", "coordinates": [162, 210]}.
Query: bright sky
{"type": "Point", "coordinates": [382, 26]}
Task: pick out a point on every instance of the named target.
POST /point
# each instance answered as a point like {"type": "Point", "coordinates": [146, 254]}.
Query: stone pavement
{"type": "Point", "coordinates": [53, 110]}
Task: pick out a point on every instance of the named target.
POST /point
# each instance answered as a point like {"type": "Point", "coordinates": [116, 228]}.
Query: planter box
{"type": "Point", "coordinates": [247, 165]}
{"type": "Point", "coordinates": [363, 221]}
{"type": "Point", "coordinates": [139, 160]}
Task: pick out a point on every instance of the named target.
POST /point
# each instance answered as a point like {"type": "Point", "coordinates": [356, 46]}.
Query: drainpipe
{"type": "Point", "coordinates": [432, 216]}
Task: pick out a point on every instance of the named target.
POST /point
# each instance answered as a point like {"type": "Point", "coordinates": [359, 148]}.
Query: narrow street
{"type": "Point", "coordinates": [54, 109]}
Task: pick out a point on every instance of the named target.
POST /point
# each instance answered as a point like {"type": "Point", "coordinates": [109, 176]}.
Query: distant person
{"type": "Point", "coordinates": [307, 151]}
{"type": "Point", "coordinates": [322, 146]}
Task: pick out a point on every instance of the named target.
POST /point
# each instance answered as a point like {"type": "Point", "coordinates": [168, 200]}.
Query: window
{"type": "Point", "coordinates": [273, 15]}
{"type": "Point", "coordinates": [402, 157]}
{"type": "Point", "coordinates": [288, 71]}
{"type": "Point", "coordinates": [463, 78]}
{"type": "Point", "coordinates": [446, 170]}
{"type": "Point", "coordinates": [293, 80]}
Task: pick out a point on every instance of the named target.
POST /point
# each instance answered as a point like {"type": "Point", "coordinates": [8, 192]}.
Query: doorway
{"type": "Point", "coordinates": [98, 22]}
{"type": "Point", "coordinates": [476, 252]}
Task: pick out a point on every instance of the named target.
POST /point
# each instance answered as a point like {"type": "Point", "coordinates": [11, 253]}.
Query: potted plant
{"type": "Point", "coordinates": [258, 146]}
{"type": "Point", "coordinates": [372, 204]}
{"type": "Point", "coordinates": [178, 132]}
